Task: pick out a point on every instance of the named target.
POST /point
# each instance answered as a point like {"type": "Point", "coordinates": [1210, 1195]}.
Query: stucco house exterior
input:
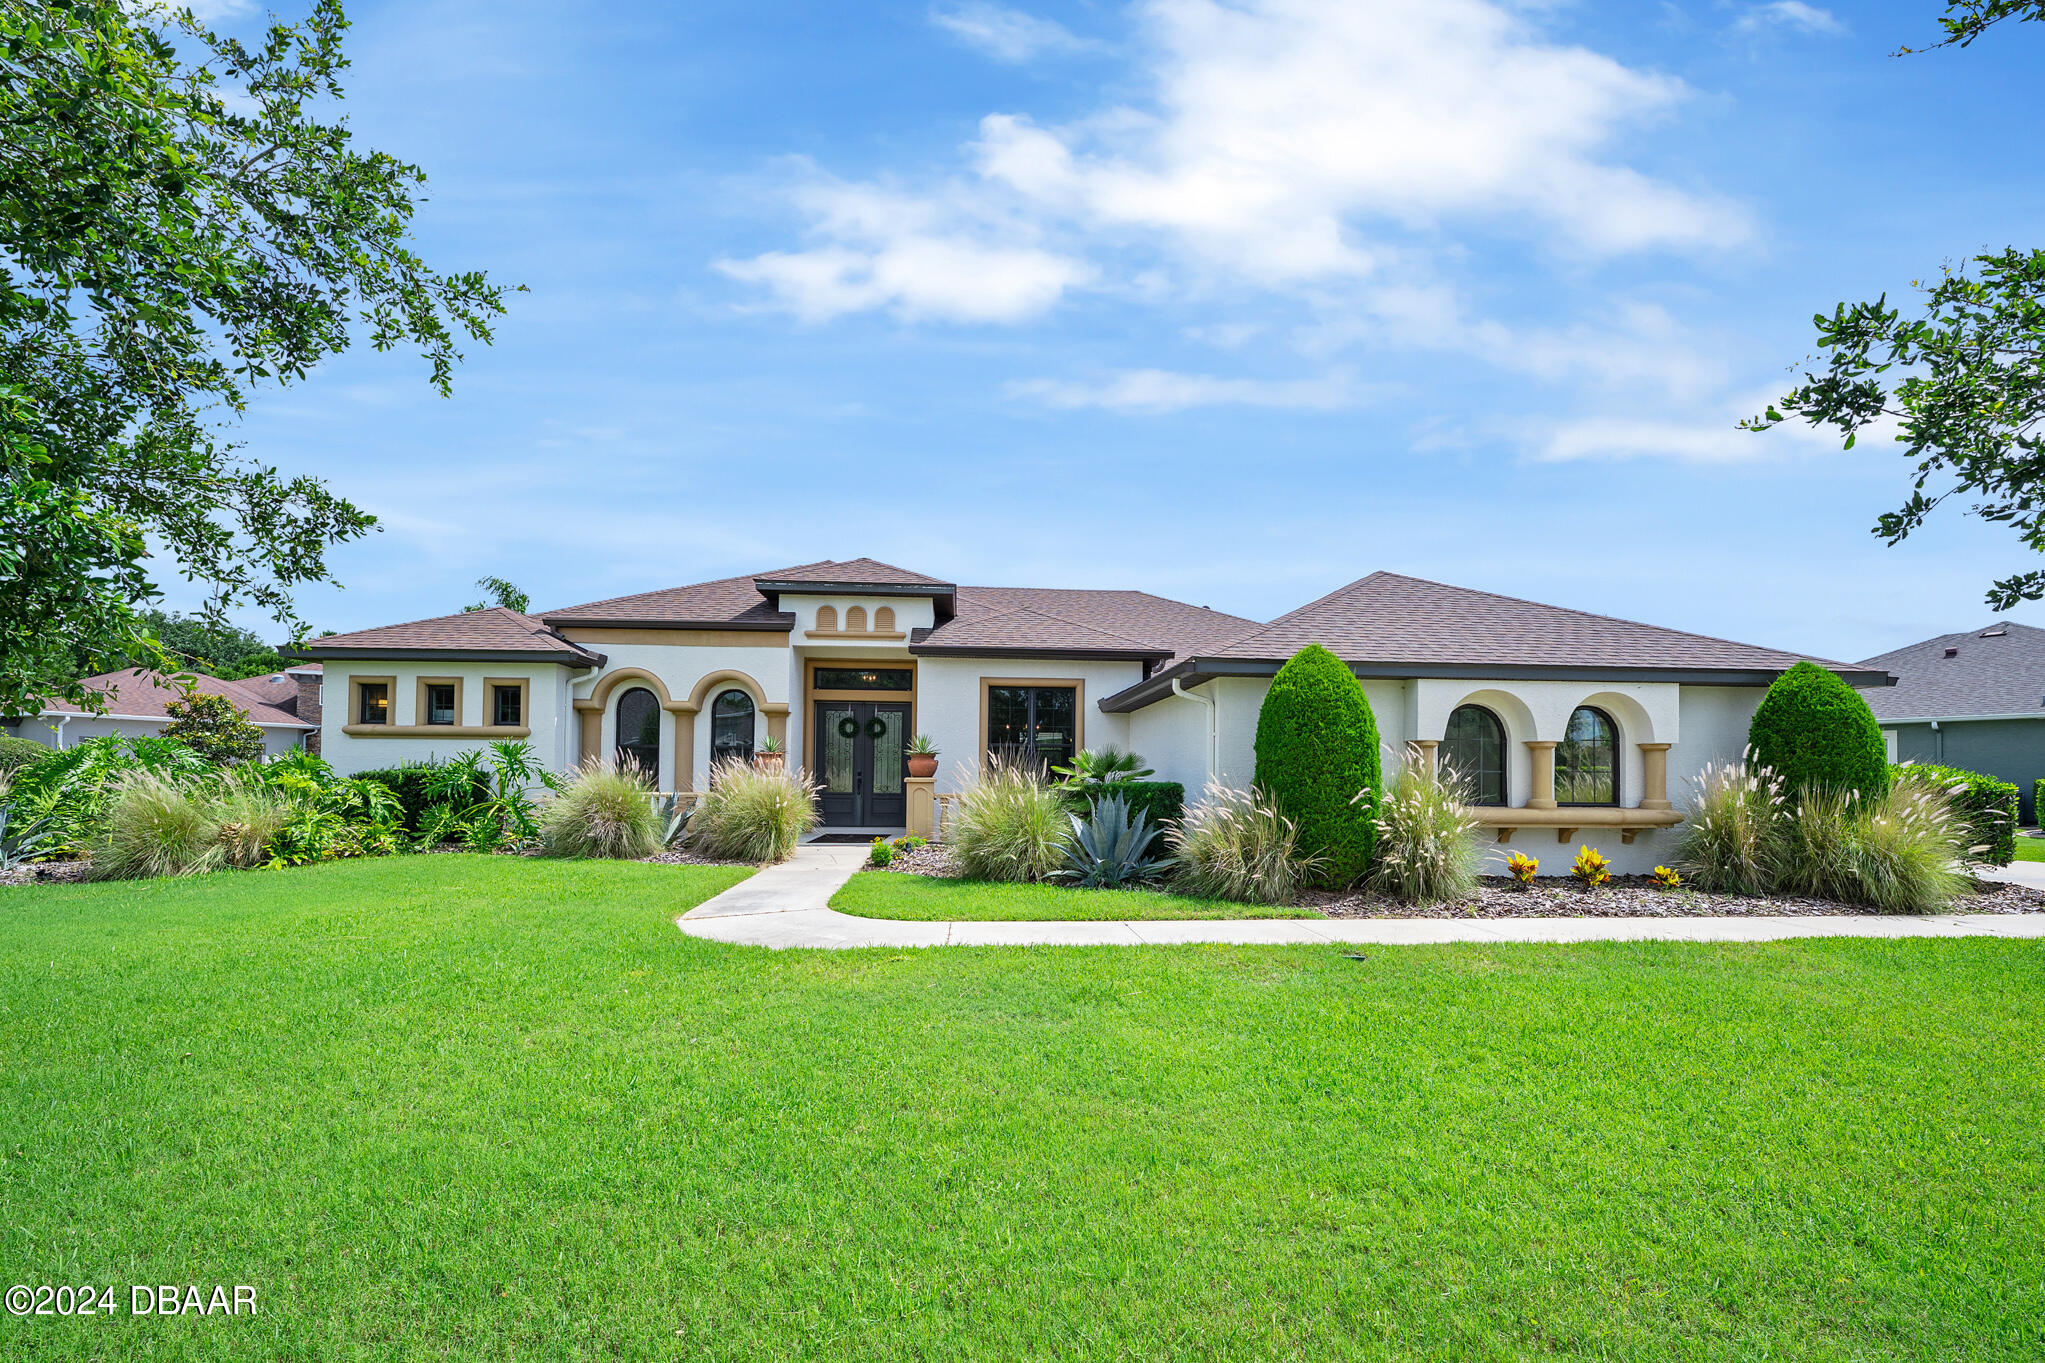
{"type": "Point", "coordinates": [1573, 727]}
{"type": "Point", "coordinates": [1973, 700]}
{"type": "Point", "coordinates": [136, 701]}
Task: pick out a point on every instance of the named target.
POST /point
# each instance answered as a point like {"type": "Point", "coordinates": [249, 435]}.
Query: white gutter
{"type": "Point", "coordinates": [62, 720]}
{"type": "Point", "coordinates": [1213, 728]}
{"type": "Point", "coordinates": [64, 717]}
{"type": "Point", "coordinates": [1936, 720]}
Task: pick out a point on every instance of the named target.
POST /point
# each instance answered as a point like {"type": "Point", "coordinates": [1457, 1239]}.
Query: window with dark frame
{"type": "Point", "coordinates": [639, 731]}
{"type": "Point", "coordinates": [440, 702]}
{"type": "Point", "coordinates": [1032, 725]}
{"type": "Point", "coordinates": [731, 727]}
{"type": "Point", "coordinates": [374, 702]}
{"type": "Point", "coordinates": [864, 679]}
{"type": "Point", "coordinates": [1587, 760]}
{"type": "Point", "coordinates": [505, 706]}
{"type": "Point", "coordinates": [1474, 746]}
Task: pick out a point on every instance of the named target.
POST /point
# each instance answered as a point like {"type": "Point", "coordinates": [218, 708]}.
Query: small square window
{"type": "Point", "coordinates": [504, 706]}
{"type": "Point", "coordinates": [440, 703]}
{"type": "Point", "coordinates": [375, 702]}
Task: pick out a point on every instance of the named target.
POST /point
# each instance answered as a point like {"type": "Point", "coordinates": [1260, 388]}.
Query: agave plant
{"type": "Point", "coordinates": [21, 838]}
{"type": "Point", "coordinates": [1093, 770]}
{"type": "Point", "coordinates": [1108, 848]}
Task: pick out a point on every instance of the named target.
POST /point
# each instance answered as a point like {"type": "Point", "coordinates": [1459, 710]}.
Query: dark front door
{"type": "Point", "coordinates": [858, 760]}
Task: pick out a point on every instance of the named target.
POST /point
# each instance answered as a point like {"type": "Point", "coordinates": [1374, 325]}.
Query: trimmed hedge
{"type": "Point", "coordinates": [1813, 729]}
{"type": "Point", "coordinates": [1160, 800]}
{"type": "Point", "coordinates": [408, 784]}
{"type": "Point", "coordinates": [16, 753]}
{"type": "Point", "coordinates": [1317, 748]}
{"type": "Point", "coordinates": [1990, 806]}
{"type": "Point", "coordinates": [2038, 800]}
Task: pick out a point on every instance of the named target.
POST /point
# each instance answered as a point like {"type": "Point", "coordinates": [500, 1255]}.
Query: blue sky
{"type": "Point", "coordinates": [1232, 302]}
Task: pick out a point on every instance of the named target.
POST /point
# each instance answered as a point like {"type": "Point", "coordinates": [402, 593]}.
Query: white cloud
{"type": "Point", "coordinates": [1788, 14]}
{"type": "Point", "coordinates": [1159, 390]}
{"type": "Point", "coordinates": [1286, 144]}
{"type": "Point", "coordinates": [1709, 437]}
{"type": "Point", "coordinates": [1008, 35]}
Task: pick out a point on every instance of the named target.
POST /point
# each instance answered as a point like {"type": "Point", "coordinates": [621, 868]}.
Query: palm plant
{"type": "Point", "coordinates": [1094, 769]}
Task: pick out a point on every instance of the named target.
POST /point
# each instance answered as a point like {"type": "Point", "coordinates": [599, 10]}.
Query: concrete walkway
{"type": "Point", "coordinates": [789, 906]}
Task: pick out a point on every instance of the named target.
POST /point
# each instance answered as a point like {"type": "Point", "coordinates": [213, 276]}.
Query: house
{"type": "Point", "coordinates": [1570, 726]}
{"type": "Point", "coordinates": [1974, 700]}
{"type": "Point", "coordinates": [284, 705]}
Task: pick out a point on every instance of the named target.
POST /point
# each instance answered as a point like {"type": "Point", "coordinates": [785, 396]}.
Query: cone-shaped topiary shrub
{"type": "Point", "coordinates": [1317, 748]}
{"type": "Point", "coordinates": [1814, 730]}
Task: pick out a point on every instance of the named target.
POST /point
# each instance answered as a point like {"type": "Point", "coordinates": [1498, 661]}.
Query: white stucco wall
{"type": "Point", "coordinates": [770, 679]}
{"type": "Point", "coordinates": [948, 705]}
{"type": "Point", "coordinates": [349, 754]}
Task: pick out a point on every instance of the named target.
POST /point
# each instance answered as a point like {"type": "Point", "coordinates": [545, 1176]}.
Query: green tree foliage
{"type": "Point", "coordinates": [1963, 382]}
{"type": "Point", "coordinates": [499, 592]}
{"type": "Point", "coordinates": [1317, 753]}
{"type": "Point", "coordinates": [1815, 731]}
{"type": "Point", "coordinates": [215, 728]}
{"type": "Point", "coordinates": [173, 234]}
{"type": "Point", "coordinates": [198, 644]}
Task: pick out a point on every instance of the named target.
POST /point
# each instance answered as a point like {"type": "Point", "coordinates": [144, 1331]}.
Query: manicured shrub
{"type": "Point", "coordinates": [1815, 732]}
{"type": "Point", "coordinates": [753, 813]}
{"type": "Point", "coordinates": [157, 827]}
{"type": "Point", "coordinates": [1427, 849]}
{"type": "Point", "coordinates": [881, 853]}
{"type": "Point", "coordinates": [1317, 756]}
{"type": "Point", "coordinates": [2038, 800]}
{"type": "Point", "coordinates": [1008, 825]}
{"type": "Point", "coordinates": [1236, 845]}
{"type": "Point", "coordinates": [1730, 832]}
{"type": "Point", "coordinates": [19, 752]}
{"type": "Point", "coordinates": [1989, 806]}
{"type": "Point", "coordinates": [601, 811]}
{"type": "Point", "coordinates": [1161, 802]}
{"type": "Point", "coordinates": [215, 728]}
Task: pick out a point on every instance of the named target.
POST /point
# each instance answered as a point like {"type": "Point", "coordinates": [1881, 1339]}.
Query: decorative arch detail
{"type": "Point", "coordinates": [884, 620]}
{"type": "Point", "coordinates": [1629, 714]}
{"type": "Point", "coordinates": [1511, 711]}
{"type": "Point", "coordinates": [855, 619]}
{"type": "Point", "coordinates": [611, 681]}
{"type": "Point", "coordinates": [718, 681]}
{"type": "Point", "coordinates": [827, 619]}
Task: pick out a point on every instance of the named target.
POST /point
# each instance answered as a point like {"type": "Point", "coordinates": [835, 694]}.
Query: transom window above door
{"type": "Point", "coordinates": [1032, 725]}
{"type": "Point", "coordinates": [864, 679]}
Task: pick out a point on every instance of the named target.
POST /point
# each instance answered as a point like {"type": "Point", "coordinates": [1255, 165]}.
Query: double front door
{"type": "Point", "coordinates": [858, 760]}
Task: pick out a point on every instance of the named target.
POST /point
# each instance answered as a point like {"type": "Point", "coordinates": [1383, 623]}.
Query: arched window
{"type": "Point", "coordinates": [827, 619]}
{"type": "Point", "coordinates": [1587, 760]}
{"type": "Point", "coordinates": [855, 619]}
{"type": "Point", "coordinates": [639, 731]}
{"type": "Point", "coordinates": [731, 726]}
{"type": "Point", "coordinates": [884, 620]}
{"type": "Point", "coordinates": [1475, 747]}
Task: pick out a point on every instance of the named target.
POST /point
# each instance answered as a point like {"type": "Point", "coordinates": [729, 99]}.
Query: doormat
{"type": "Point", "coordinates": [845, 837]}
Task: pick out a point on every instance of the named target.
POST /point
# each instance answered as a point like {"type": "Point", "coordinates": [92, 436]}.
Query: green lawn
{"type": "Point", "coordinates": [487, 1108]}
{"type": "Point", "coordinates": [2030, 849]}
{"type": "Point", "coordinates": [892, 894]}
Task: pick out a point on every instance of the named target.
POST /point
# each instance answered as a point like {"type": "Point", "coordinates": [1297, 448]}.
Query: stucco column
{"type": "Point", "coordinates": [1425, 748]}
{"type": "Point", "coordinates": [592, 716]}
{"type": "Point", "coordinates": [922, 804]}
{"type": "Point", "coordinates": [777, 722]}
{"type": "Point", "coordinates": [1542, 795]}
{"type": "Point", "coordinates": [685, 745]}
{"type": "Point", "coordinates": [1654, 775]}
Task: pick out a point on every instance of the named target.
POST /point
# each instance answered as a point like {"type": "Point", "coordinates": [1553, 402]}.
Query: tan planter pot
{"type": "Point", "coordinates": [769, 761]}
{"type": "Point", "coordinates": [921, 766]}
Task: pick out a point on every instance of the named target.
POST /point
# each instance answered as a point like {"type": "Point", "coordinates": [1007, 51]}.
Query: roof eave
{"type": "Point", "coordinates": [473, 655]}
{"type": "Point", "coordinates": [775, 587]}
{"type": "Point", "coordinates": [641, 622]}
{"type": "Point", "coordinates": [997, 651]}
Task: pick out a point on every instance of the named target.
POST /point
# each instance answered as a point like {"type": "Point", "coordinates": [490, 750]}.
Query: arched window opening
{"type": "Point", "coordinates": [855, 619]}
{"type": "Point", "coordinates": [1587, 760]}
{"type": "Point", "coordinates": [731, 727]}
{"type": "Point", "coordinates": [1475, 747]}
{"type": "Point", "coordinates": [639, 732]}
{"type": "Point", "coordinates": [827, 619]}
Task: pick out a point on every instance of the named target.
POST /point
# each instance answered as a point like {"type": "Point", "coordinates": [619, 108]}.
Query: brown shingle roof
{"type": "Point", "coordinates": [1052, 618]}
{"type": "Point", "coordinates": [494, 630]}
{"type": "Point", "coordinates": [856, 571]}
{"type": "Point", "coordinates": [1998, 669]}
{"type": "Point", "coordinates": [145, 696]}
{"type": "Point", "coordinates": [1388, 618]}
{"type": "Point", "coordinates": [728, 601]}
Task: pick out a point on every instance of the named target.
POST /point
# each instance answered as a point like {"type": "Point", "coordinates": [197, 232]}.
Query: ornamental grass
{"type": "Point", "coordinates": [1236, 845]}
{"type": "Point", "coordinates": [752, 813]}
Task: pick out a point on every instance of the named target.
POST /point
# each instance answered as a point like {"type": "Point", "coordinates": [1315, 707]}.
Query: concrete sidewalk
{"type": "Point", "coordinates": [789, 906]}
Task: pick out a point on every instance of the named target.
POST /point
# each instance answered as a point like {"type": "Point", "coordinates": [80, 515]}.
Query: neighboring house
{"type": "Point", "coordinates": [284, 705]}
{"type": "Point", "coordinates": [1572, 727]}
{"type": "Point", "coordinates": [1975, 701]}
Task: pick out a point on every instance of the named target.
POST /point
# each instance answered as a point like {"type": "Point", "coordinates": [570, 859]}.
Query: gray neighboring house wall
{"type": "Point", "coordinates": [1974, 700]}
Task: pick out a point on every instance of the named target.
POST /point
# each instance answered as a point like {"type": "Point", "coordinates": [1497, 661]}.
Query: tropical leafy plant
{"type": "Point", "coordinates": [1667, 878]}
{"type": "Point", "coordinates": [751, 813]}
{"type": "Point", "coordinates": [1522, 868]}
{"type": "Point", "coordinates": [602, 810]}
{"type": "Point", "coordinates": [1008, 825]}
{"type": "Point", "coordinates": [485, 802]}
{"type": "Point", "coordinates": [1427, 850]}
{"type": "Point", "coordinates": [1110, 848]}
{"type": "Point", "coordinates": [1093, 770]}
{"type": "Point", "coordinates": [922, 745]}
{"type": "Point", "coordinates": [73, 790]}
{"type": "Point", "coordinates": [1592, 868]}
{"type": "Point", "coordinates": [21, 838]}
{"type": "Point", "coordinates": [1236, 845]}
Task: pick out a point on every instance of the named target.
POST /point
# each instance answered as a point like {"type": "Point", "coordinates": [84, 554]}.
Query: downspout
{"type": "Point", "coordinates": [569, 725]}
{"type": "Point", "coordinates": [62, 720]}
{"type": "Point", "coordinates": [1213, 725]}
{"type": "Point", "coordinates": [1939, 745]}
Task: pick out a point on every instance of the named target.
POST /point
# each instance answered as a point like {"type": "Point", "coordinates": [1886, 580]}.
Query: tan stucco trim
{"type": "Point", "coordinates": [433, 731]}
{"type": "Point", "coordinates": [350, 719]}
{"type": "Point", "coordinates": [1078, 685]}
{"type": "Point", "coordinates": [600, 697]}
{"type": "Point", "coordinates": [1542, 753]}
{"type": "Point", "coordinates": [1654, 775]}
{"type": "Point", "coordinates": [897, 636]}
{"type": "Point", "coordinates": [592, 730]}
{"type": "Point", "coordinates": [525, 701]}
{"type": "Point", "coordinates": [685, 638]}
{"type": "Point", "coordinates": [419, 702]}
{"type": "Point", "coordinates": [731, 676]}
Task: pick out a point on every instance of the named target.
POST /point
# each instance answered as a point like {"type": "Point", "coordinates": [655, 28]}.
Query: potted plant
{"type": "Point", "coordinates": [922, 756]}
{"type": "Point", "coordinates": [770, 754]}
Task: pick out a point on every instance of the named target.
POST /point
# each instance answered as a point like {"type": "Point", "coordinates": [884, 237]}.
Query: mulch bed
{"type": "Point", "coordinates": [1624, 897]}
